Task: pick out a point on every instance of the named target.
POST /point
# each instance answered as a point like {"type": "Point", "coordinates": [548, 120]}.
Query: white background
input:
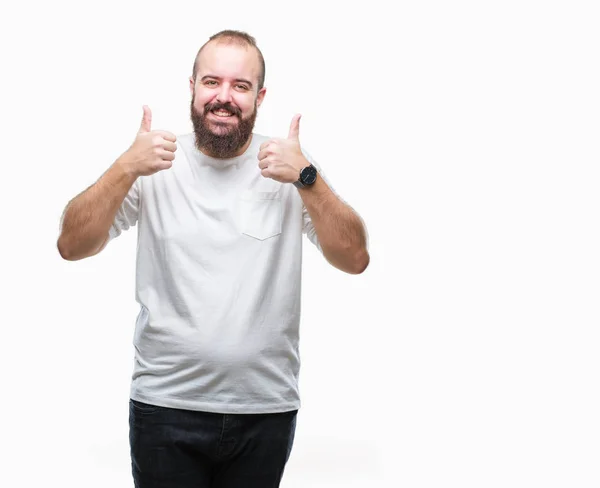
{"type": "Point", "coordinates": [466, 136]}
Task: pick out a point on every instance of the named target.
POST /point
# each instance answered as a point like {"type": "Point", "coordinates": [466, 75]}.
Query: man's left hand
{"type": "Point", "coordinates": [282, 159]}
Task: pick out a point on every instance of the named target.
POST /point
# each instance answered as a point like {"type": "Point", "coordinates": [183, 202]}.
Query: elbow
{"type": "Point", "coordinates": [63, 250]}
{"type": "Point", "coordinates": [348, 260]}
{"type": "Point", "coordinates": [361, 262]}
{"type": "Point", "coordinates": [70, 253]}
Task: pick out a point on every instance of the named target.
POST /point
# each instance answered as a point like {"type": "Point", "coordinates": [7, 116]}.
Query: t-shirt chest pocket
{"type": "Point", "coordinates": [261, 214]}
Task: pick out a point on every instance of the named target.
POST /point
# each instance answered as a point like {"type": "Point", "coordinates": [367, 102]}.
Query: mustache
{"type": "Point", "coordinates": [218, 106]}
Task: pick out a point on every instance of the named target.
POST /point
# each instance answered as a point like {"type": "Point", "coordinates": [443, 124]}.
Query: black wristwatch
{"type": "Point", "coordinates": [307, 177]}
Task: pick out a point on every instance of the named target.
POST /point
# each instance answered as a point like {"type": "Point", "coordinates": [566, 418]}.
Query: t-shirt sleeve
{"type": "Point", "coordinates": [308, 227]}
{"type": "Point", "coordinates": [128, 213]}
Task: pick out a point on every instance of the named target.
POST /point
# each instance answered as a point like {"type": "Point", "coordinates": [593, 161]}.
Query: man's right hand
{"type": "Point", "coordinates": [151, 151]}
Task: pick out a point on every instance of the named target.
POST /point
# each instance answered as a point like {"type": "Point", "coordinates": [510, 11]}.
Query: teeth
{"type": "Point", "coordinates": [222, 113]}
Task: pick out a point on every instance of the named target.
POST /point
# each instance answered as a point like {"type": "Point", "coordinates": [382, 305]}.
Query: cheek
{"type": "Point", "coordinates": [246, 105]}
{"type": "Point", "coordinates": [201, 99]}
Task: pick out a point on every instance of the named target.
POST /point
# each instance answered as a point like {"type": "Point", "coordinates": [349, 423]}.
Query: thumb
{"type": "Point", "coordinates": [295, 128]}
{"type": "Point", "coordinates": [146, 120]}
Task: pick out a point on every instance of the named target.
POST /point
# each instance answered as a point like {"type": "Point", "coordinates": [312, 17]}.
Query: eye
{"type": "Point", "coordinates": [241, 87]}
{"type": "Point", "coordinates": [210, 82]}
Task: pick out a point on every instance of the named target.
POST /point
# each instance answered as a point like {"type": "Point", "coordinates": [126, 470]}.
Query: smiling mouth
{"type": "Point", "coordinates": [222, 113]}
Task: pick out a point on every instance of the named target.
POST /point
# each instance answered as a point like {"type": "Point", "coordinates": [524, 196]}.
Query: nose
{"type": "Point", "coordinates": [224, 95]}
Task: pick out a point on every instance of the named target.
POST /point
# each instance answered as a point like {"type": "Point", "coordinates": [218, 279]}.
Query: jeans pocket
{"type": "Point", "coordinates": [261, 214]}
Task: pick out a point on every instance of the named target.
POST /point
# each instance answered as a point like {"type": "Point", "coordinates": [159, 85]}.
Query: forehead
{"type": "Point", "coordinates": [228, 60]}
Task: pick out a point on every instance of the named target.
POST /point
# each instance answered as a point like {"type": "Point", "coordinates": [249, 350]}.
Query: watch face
{"type": "Point", "coordinates": [308, 175]}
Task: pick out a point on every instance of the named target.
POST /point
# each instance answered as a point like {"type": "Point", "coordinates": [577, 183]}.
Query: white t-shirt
{"type": "Point", "coordinates": [218, 279]}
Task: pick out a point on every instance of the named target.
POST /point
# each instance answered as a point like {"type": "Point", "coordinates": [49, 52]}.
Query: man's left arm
{"type": "Point", "coordinates": [340, 231]}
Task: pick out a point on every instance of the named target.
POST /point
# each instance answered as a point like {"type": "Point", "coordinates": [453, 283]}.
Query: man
{"type": "Point", "coordinates": [220, 215]}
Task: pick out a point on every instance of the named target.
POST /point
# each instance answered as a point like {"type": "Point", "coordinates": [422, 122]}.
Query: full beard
{"type": "Point", "coordinates": [232, 137]}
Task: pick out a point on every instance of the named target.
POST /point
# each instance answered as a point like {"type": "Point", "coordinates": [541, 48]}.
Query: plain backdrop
{"type": "Point", "coordinates": [466, 136]}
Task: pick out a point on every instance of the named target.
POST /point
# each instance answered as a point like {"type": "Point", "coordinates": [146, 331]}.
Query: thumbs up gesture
{"type": "Point", "coordinates": [152, 150]}
{"type": "Point", "coordinates": [282, 159]}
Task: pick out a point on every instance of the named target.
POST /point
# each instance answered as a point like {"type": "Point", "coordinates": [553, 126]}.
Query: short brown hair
{"type": "Point", "coordinates": [235, 37]}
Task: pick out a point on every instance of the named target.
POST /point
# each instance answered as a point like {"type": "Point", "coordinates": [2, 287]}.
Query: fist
{"type": "Point", "coordinates": [152, 150]}
{"type": "Point", "coordinates": [282, 159]}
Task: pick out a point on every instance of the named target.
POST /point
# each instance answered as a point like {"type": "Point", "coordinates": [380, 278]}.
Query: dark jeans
{"type": "Point", "coordinates": [172, 448]}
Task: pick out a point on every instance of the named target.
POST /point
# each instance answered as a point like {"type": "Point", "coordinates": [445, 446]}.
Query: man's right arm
{"type": "Point", "coordinates": [88, 217]}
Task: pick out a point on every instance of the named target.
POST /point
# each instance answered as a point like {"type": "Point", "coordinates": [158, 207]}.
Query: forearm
{"type": "Point", "coordinates": [340, 230]}
{"type": "Point", "coordinates": [88, 217]}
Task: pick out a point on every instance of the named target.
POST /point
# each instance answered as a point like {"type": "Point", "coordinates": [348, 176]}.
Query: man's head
{"type": "Point", "coordinates": [227, 89]}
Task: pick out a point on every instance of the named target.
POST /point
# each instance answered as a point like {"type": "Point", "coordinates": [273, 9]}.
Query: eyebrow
{"type": "Point", "coordinates": [237, 80]}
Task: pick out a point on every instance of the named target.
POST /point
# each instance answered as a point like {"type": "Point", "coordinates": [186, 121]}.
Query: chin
{"type": "Point", "coordinates": [221, 128]}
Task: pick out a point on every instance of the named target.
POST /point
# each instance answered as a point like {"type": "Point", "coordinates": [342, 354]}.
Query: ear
{"type": "Point", "coordinates": [261, 95]}
{"type": "Point", "coordinates": [192, 86]}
